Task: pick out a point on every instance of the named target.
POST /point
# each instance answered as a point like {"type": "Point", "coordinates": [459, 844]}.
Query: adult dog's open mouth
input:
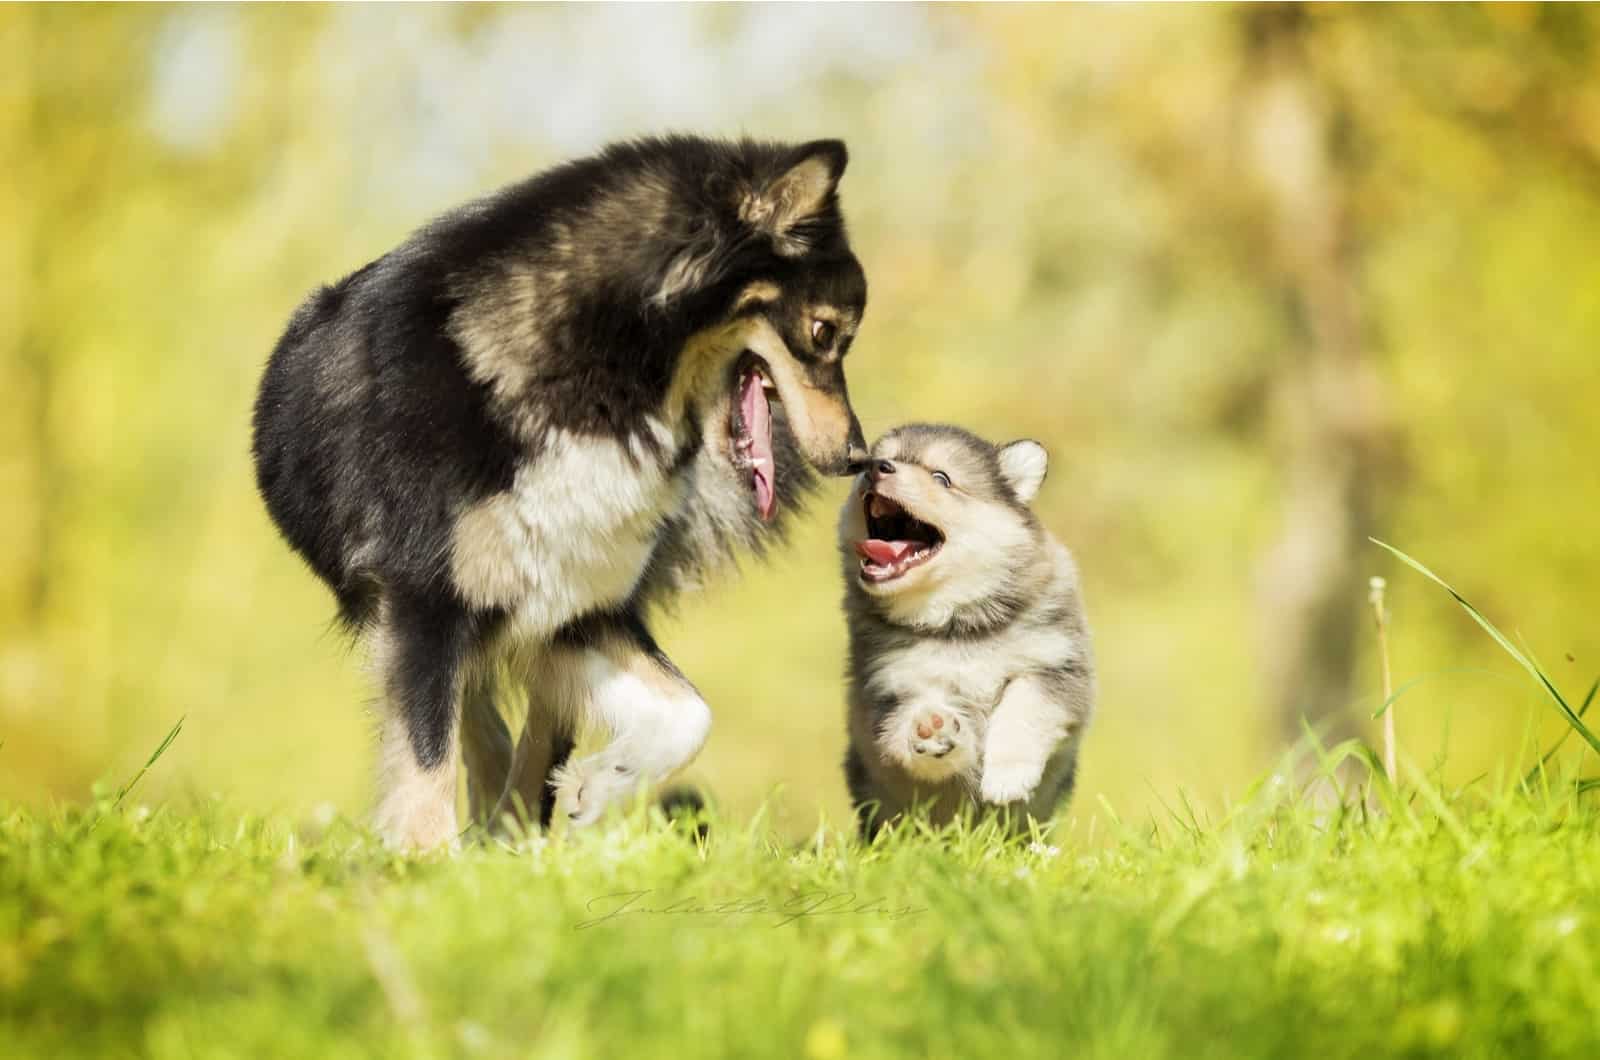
{"type": "Point", "coordinates": [751, 423]}
{"type": "Point", "coordinates": [896, 540]}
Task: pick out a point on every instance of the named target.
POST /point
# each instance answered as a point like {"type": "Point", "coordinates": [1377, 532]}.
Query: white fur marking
{"type": "Point", "coordinates": [969, 671]}
{"type": "Point", "coordinates": [417, 807]}
{"type": "Point", "coordinates": [1027, 727]}
{"type": "Point", "coordinates": [658, 724]}
{"type": "Point", "coordinates": [573, 533]}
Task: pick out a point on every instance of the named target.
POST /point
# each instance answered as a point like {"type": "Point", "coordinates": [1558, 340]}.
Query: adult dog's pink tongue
{"type": "Point", "coordinates": [758, 422]}
{"type": "Point", "coordinates": [883, 553]}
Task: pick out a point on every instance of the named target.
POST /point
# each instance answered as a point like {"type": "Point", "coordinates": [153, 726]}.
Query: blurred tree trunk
{"type": "Point", "coordinates": [1326, 399]}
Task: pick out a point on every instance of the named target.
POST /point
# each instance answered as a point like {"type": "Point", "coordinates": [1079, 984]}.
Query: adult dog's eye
{"type": "Point", "coordinates": [822, 334]}
{"type": "Point", "coordinates": [942, 479]}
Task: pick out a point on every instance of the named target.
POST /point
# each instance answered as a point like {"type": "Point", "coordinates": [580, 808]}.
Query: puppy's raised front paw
{"type": "Point", "coordinates": [932, 743]}
{"type": "Point", "coordinates": [1008, 782]}
{"type": "Point", "coordinates": [934, 733]}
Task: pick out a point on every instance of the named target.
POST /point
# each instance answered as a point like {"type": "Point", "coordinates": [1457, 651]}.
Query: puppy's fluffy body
{"type": "Point", "coordinates": [971, 674]}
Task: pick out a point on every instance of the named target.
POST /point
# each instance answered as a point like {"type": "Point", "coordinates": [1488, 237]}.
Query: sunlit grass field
{"type": "Point", "coordinates": [1331, 913]}
{"type": "Point", "coordinates": [1426, 923]}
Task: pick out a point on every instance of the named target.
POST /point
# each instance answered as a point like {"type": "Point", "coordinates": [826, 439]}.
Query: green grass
{"type": "Point", "coordinates": [1455, 924]}
{"type": "Point", "coordinates": [1330, 915]}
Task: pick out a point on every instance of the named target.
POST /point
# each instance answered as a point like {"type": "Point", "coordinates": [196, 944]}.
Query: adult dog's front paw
{"type": "Point", "coordinates": [585, 789]}
{"type": "Point", "coordinates": [1009, 781]}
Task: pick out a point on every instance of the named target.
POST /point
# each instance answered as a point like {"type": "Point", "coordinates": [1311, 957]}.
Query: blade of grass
{"type": "Point", "coordinates": [1176, 819]}
{"type": "Point", "coordinates": [1415, 681]}
{"type": "Point", "coordinates": [1583, 709]}
{"type": "Point", "coordinates": [1380, 618]}
{"type": "Point", "coordinates": [1431, 796]}
{"type": "Point", "coordinates": [1194, 818]}
{"type": "Point", "coordinates": [159, 751]}
{"type": "Point", "coordinates": [1332, 758]}
{"type": "Point", "coordinates": [1504, 642]}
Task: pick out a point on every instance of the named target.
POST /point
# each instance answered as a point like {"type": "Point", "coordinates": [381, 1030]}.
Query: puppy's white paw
{"type": "Point", "coordinates": [932, 743]}
{"type": "Point", "coordinates": [1008, 782]}
{"type": "Point", "coordinates": [585, 789]}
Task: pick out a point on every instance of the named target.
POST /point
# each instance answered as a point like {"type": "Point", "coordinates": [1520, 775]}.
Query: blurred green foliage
{"type": "Point", "coordinates": [1263, 280]}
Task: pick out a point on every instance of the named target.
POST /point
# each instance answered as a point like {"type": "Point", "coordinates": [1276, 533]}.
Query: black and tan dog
{"type": "Point", "coordinates": [503, 439]}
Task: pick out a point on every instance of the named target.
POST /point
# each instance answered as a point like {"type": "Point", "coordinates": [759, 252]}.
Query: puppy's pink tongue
{"type": "Point", "coordinates": [758, 422]}
{"type": "Point", "coordinates": [883, 553]}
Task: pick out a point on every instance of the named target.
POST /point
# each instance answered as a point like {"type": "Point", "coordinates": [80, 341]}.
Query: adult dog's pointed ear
{"type": "Point", "coordinates": [809, 183]}
{"type": "Point", "coordinates": [803, 190]}
{"type": "Point", "coordinates": [1023, 464]}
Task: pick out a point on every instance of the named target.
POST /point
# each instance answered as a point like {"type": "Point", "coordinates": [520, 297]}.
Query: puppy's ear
{"type": "Point", "coordinates": [801, 191]}
{"type": "Point", "coordinates": [1024, 464]}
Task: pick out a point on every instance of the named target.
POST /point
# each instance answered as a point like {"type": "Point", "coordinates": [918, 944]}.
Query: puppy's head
{"type": "Point", "coordinates": [939, 524]}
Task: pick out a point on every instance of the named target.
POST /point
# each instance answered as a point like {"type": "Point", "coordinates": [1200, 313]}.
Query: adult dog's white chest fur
{"type": "Point", "coordinates": [574, 532]}
{"type": "Point", "coordinates": [969, 673]}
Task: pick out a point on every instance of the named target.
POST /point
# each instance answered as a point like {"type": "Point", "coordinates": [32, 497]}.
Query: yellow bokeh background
{"type": "Point", "coordinates": [1264, 281]}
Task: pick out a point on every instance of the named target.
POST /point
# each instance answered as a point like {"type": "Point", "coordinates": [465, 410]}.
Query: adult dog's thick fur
{"type": "Point", "coordinates": [503, 439]}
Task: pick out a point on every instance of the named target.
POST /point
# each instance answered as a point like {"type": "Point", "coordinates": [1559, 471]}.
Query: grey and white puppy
{"type": "Point", "coordinates": [971, 672]}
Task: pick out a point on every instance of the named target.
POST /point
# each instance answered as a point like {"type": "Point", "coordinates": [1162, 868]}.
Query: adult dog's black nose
{"type": "Point", "coordinates": [857, 457]}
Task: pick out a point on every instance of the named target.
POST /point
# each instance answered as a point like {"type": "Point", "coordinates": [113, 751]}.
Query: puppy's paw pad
{"type": "Point", "coordinates": [933, 733]}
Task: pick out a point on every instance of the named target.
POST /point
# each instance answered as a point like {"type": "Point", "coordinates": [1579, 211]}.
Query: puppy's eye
{"type": "Point", "coordinates": [822, 334]}
{"type": "Point", "coordinates": [942, 479]}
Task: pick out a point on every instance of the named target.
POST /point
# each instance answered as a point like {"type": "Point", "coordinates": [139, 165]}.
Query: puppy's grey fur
{"type": "Point", "coordinates": [971, 674]}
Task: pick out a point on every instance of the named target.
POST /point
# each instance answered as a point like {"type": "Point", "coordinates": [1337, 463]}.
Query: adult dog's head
{"type": "Point", "coordinates": [764, 277]}
{"type": "Point", "coordinates": [708, 283]}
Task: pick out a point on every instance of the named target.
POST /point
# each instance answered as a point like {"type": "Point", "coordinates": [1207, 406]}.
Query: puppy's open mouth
{"type": "Point", "coordinates": [896, 540]}
{"type": "Point", "coordinates": [751, 429]}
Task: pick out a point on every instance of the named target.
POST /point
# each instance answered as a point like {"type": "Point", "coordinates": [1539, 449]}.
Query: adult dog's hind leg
{"type": "Point", "coordinates": [421, 650]}
{"type": "Point", "coordinates": [616, 676]}
{"type": "Point", "coordinates": [485, 746]}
